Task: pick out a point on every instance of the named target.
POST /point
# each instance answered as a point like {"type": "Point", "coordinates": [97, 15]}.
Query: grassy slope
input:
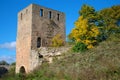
{"type": "Point", "coordinates": [100, 63]}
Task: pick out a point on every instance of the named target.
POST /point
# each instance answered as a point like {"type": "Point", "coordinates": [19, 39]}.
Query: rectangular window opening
{"type": "Point", "coordinates": [50, 15]}
{"type": "Point", "coordinates": [26, 11]}
{"type": "Point", "coordinates": [21, 16]}
{"type": "Point", "coordinates": [41, 12]}
{"type": "Point", "coordinates": [58, 17]}
{"type": "Point", "coordinates": [38, 42]}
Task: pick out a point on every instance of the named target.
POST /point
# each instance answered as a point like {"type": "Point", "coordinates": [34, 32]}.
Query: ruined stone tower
{"type": "Point", "coordinates": [37, 25]}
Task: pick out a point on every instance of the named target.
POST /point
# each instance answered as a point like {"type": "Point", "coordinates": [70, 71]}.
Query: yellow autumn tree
{"type": "Point", "coordinates": [84, 33]}
{"type": "Point", "coordinates": [57, 41]}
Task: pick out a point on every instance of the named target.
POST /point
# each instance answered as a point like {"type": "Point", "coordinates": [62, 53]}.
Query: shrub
{"type": "Point", "coordinates": [79, 47]}
{"type": "Point", "coordinates": [57, 41]}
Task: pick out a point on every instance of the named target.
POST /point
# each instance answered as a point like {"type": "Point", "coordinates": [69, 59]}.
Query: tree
{"type": "Point", "coordinates": [89, 13]}
{"type": "Point", "coordinates": [13, 64]}
{"type": "Point", "coordinates": [95, 26]}
{"type": "Point", "coordinates": [85, 33]}
{"type": "Point", "coordinates": [3, 62]}
{"type": "Point", "coordinates": [111, 19]}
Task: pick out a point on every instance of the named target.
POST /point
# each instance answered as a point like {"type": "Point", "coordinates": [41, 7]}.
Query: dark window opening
{"type": "Point", "coordinates": [21, 16]}
{"type": "Point", "coordinates": [41, 12]}
{"type": "Point", "coordinates": [26, 11]}
{"type": "Point", "coordinates": [40, 56]}
{"type": "Point", "coordinates": [38, 42]}
{"type": "Point", "coordinates": [49, 15]}
{"type": "Point", "coordinates": [22, 70]}
{"type": "Point", "coordinates": [58, 17]}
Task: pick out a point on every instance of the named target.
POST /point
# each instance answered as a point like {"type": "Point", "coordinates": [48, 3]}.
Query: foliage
{"type": "Point", "coordinates": [109, 21]}
{"type": "Point", "coordinates": [3, 71]}
{"type": "Point", "coordinates": [79, 47]}
{"type": "Point", "coordinates": [84, 33]}
{"type": "Point", "coordinates": [3, 63]}
{"type": "Point", "coordinates": [57, 41]}
{"type": "Point", "coordinates": [10, 75]}
{"type": "Point", "coordinates": [88, 13]}
{"type": "Point", "coordinates": [111, 16]}
{"type": "Point", "coordinates": [95, 26]}
{"type": "Point", "coordinates": [13, 64]}
{"type": "Point", "coordinates": [100, 63]}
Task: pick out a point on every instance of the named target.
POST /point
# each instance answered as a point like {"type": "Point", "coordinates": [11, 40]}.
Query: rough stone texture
{"type": "Point", "coordinates": [46, 28]}
{"type": "Point", "coordinates": [31, 26]}
{"type": "Point", "coordinates": [6, 66]}
{"type": "Point", "coordinates": [47, 53]}
{"type": "Point", "coordinates": [23, 47]}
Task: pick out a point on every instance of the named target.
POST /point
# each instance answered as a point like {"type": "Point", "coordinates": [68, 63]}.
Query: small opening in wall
{"type": "Point", "coordinates": [38, 42]}
{"type": "Point", "coordinates": [58, 17]}
{"type": "Point", "coordinates": [26, 11]}
{"type": "Point", "coordinates": [21, 16]}
{"type": "Point", "coordinates": [50, 14]}
{"type": "Point", "coordinates": [41, 12]}
{"type": "Point", "coordinates": [40, 56]}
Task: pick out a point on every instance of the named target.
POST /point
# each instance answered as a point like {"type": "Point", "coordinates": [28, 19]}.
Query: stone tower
{"type": "Point", "coordinates": [37, 25]}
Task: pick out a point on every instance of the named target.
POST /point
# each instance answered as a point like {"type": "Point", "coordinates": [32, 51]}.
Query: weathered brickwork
{"type": "Point", "coordinates": [37, 25]}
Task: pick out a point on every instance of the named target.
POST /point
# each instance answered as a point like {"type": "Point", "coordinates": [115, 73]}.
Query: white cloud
{"type": "Point", "coordinates": [9, 59]}
{"type": "Point", "coordinates": [8, 45]}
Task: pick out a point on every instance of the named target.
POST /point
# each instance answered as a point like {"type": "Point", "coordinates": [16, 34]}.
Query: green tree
{"type": "Point", "coordinates": [13, 64]}
{"type": "Point", "coordinates": [107, 20]}
{"type": "Point", "coordinates": [85, 31]}
{"type": "Point", "coordinates": [111, 19]}
{"type": "Point", "coordinates": [3, 62]}
{"type": "Point", "coordinates": [95, 26]}
{"type": "Point", "coordinates": [89, 13]}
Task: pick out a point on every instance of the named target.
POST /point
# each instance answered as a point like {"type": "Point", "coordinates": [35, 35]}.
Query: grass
{"type": "Point", "coordinates": [99, 63]}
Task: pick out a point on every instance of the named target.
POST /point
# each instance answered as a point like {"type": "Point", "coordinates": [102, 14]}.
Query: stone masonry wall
{"type": "Point", "coordinates": [34, 24]}
{"type": "Point", "coordinates": [23, 46]}
{"type": "Point", "coordinates": [45, 54]}
{"type": "Point", "coordinates": [46, 28]}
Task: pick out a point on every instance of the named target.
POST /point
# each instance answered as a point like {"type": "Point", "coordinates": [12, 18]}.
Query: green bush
{"type": "Point", "coordinates": [79, 47]}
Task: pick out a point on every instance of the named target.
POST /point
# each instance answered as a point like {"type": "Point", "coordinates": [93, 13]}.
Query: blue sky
{"type": "Point", "coordinates": [10, 8]}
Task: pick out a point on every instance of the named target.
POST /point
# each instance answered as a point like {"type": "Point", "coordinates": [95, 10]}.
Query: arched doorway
{"type": "Point", "coordinates": [22, 69]}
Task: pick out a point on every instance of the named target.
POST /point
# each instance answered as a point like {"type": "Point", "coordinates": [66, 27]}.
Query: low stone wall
{"type": "Point", "coordinates": [46, 54]}
{"type": "Point", "coordinates": [49, 53]}
{"type": "Point", "coordinates": [6, 66]}
{"type": "Point", "coordinates": [4, 69]}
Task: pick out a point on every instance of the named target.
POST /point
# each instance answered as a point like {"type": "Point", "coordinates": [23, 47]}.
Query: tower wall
{"type": "Point", "coordinates": [23, 46]}
{"type": "Point", "coordinates": [45, 27]}
{"type": "Point", "coordinates": [36, 23]}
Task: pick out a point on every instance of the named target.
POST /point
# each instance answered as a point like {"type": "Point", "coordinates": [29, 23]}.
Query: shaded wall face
{"type": "Point", "coordinates": [47, 25]}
